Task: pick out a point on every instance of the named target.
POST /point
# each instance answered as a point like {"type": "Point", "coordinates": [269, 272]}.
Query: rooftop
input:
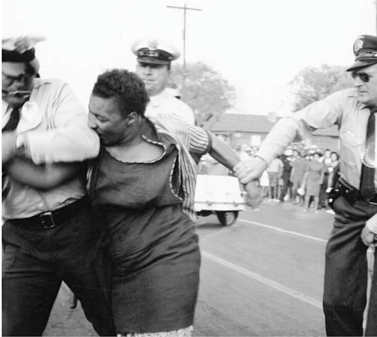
{"type": "Point", "coordinates": [256, 124]}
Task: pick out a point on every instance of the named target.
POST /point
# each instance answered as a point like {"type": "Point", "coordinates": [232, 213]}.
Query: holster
{"type": "Point", "coordinates": [342, 188]}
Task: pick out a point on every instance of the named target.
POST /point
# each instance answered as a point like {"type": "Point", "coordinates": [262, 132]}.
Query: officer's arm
{"type": "Point", "coordinates": [42, 176]}
{"type": "Point", "coordinates": [295, 127]}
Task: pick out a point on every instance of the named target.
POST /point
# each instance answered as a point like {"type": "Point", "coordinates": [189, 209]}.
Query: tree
{"type": "Point", "coordinates": [313, 84]}
{"type": "Point", "coordinates": [205, 91]}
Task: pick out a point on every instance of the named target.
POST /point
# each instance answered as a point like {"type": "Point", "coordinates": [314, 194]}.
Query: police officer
{"type": "Point", "coordinates": [154, 57]}
{"type": "Point", "coordinates": [355, 199]}
{"type": "Point", "coordinates": [47, 233]}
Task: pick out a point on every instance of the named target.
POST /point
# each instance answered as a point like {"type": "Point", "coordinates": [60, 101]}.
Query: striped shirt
{"type": "Point", "coordinates": [189, 138]}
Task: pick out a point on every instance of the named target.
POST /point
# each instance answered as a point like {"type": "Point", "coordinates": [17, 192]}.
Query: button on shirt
{"type": "Point", "coordinates": [165, 103]}
{"type": "Point", "coordinates": [342, 109]}
{"type": "Point", "coordinates": [56, 127]}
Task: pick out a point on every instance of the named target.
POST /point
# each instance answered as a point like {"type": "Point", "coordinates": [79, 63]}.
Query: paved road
{"type": "Point", "coordinates": [263, 276]}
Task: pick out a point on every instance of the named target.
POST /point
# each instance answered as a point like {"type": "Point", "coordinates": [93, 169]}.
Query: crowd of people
{"type": "Point", "coordinates": [301, 176]}
{"type": "Point", "coordinates": [103, 200]}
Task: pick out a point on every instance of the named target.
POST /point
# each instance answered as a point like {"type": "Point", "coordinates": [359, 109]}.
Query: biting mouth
{"type": "Point", "coordinates": [17, 93]}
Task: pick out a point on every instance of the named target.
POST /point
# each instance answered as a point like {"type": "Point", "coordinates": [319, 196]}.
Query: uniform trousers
{"type": "Point", "coordinates": [346, 273]}
{"type": "Point", "coordinates": [36, 261]}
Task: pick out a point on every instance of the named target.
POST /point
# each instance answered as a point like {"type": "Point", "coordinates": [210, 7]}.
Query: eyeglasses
{"type": "Point", "coordinates": [20, 78]}
{"type": "Point", "coordinates": [363, 76]}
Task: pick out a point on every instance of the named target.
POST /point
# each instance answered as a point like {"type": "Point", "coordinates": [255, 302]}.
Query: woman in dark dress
{"type": "Point", "coordinates": [312, 181]}
{"type": "Point", "coordinates": [142, 187]}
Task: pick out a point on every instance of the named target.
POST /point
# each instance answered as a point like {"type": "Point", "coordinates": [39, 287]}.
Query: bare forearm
{"type": "Point", "coordinates": [223, 153]}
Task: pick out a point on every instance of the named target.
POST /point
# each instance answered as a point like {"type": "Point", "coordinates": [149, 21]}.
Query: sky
{"type": "Point", "coordinates": [257, 45]}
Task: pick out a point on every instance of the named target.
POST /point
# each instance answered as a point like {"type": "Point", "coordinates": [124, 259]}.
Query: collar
{"type": "Point", "coordinates": [31, 115]}
{"type": "Point", "coordinates": [157, 100]}
{"type": "Point", "coordinates": [353, 93]}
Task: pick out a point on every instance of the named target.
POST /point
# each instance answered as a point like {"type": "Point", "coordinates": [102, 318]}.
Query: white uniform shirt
{"type": "Point", "coordinates": [56, 127]}
{"type": "Point", "coordinates": [165, 103]}
{"type": "Point", "coordinates": [342, 109]}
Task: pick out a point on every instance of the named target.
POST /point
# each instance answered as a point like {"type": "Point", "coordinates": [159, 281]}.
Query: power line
{"type": "Point", "coordinates": [185, 9]}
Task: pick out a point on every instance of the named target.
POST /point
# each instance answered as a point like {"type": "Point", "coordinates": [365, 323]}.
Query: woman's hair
{"type": "Point", "coordinates": [336, 153]}
{"type": "Point", "coordinates": [125, 87]}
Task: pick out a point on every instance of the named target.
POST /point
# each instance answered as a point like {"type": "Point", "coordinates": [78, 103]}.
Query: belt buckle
{"type": "Point", "coordinates": [47, 220]}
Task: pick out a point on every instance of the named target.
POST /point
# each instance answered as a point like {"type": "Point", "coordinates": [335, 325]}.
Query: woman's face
{"type": "Point", "coordinates": [106, 119]}
{"type": "Point", "coordinates": [334, 157]}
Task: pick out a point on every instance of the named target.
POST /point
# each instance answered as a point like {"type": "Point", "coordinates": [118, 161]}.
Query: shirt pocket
{"type": "Point", "coordinates": [351, 138]}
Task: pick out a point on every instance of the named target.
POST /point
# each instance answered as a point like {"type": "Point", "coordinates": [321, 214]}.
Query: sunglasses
{"type": "Point", "coordinates": [363, 76]}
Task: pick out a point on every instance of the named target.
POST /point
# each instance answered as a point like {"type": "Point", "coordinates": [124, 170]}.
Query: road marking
{"type": "Point", "coordinates": [283, 230]}
{"type": "Point", "coordinates": [264, 280]}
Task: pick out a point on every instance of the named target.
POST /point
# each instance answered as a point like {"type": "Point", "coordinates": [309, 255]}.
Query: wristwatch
{"type": "Point", "coordinates": [20, 144]}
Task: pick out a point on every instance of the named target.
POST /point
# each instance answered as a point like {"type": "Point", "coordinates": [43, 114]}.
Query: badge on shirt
{"type": "Point", "coordinates": [31, 117]}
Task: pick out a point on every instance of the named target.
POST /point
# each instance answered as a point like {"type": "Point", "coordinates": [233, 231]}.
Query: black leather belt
{"type": "Point", "coordinates": [52, 219]}
{"type": "Point", "coordinates": [351, 193]}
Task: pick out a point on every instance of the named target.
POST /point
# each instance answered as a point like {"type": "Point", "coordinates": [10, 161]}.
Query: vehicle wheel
{"type": "Point", "coordinates": [227, 218]}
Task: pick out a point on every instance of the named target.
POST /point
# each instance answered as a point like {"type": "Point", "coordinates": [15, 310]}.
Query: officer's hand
{"type": "Point", "coordinates": [250, 169]}
{"type": "Point", "coordinates": [368, 237]}
{"type": "Point", "coordinates": [8, 146]}
{"type": "Point", "coordinates": [255, 193]}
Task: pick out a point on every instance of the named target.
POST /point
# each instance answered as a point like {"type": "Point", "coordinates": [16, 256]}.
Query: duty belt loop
{"type": "Point", "coordinates": [351, 193]}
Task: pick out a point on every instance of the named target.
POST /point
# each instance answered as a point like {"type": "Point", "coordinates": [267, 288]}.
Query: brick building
{"type": "Point", "coordinates": [252, 129]}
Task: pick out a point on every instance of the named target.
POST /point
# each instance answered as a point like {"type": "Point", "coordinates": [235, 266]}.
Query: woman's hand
{"type": "Point", "coordinates": [255, 192]}
{"type": "Point", "coordinates": [250, 169]}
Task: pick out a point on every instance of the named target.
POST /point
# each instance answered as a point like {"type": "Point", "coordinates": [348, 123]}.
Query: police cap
{"type": "Point", "coordinates": [365, 50]}
{"type": "Point", "coordinates": [154, 51]}
{"type": "Point", "coordinates": [20, 49]}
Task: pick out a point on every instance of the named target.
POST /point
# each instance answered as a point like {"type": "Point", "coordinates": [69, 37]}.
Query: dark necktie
{"type": "Point", "coordinates": [13, 120]}
{"type": "Point", "coordinates": [10, 126]}
{"type": "Point", "coordinates": [367, 170]}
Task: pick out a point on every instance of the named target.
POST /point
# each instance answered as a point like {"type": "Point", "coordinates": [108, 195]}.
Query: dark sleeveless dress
{"type": "Point", "coordinates": [153, 247]}
{"type": "Point", "coordinates": [315, 170]}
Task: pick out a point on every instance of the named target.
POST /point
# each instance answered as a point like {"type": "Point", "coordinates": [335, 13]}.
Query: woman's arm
{"type": "Point", "coordinates": [304, 179]}
{"type": "Point", "coordinates": [222, 152]}
{"type": "Point", "coordinates": [322, 175]}
{"type": "Point", "coordinates": [42, 176]}
{"type": "Point", "coordinates": [200, 141]}
{"type": "Point", "coordinates": [197, 140]}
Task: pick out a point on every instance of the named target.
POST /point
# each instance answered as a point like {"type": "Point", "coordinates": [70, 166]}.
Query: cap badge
{"type": "Point", "coordinates": [21, 45]}
{"type": "Point", "coordinates": [359, 43]}
{"type": "Point", "coordinates": [152, 44]}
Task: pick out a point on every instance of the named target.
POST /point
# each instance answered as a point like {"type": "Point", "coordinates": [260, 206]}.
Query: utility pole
{"type": "Point", "coordinates": [185, 9]}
